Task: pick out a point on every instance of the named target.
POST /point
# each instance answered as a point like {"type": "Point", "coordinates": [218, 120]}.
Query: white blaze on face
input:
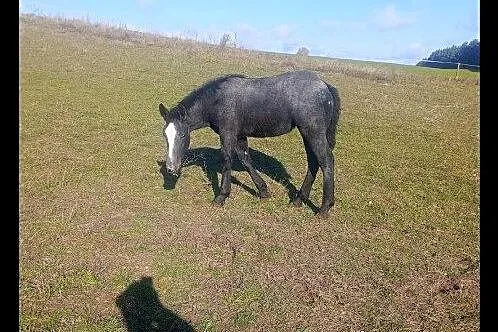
{"type": "Point", "coordinates": [170, 135]}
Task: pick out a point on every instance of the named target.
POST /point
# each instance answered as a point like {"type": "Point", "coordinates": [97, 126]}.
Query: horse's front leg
{"type": "Point", "coordinates": [226, 151]}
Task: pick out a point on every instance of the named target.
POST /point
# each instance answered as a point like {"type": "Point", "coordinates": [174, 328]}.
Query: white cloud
{"type": "Point", "coordinates": [248, 36]}
{"type": "Point", "coordinates": [416, 48]}
{"type": "Point", "coordinates": [389, 18]}
{"type": "Point", "coordinates": [407, 54]}
{"type": "Point", "coordinates": [283, 30]}
{"type": "Point", "coordinates": [415, 51]}
{"type": "Point", "coordinates": [245, 28]}
{"type": "Point", "coordinates": [349, 26]}
{"type": "Point", "coordinates": [278, 38]}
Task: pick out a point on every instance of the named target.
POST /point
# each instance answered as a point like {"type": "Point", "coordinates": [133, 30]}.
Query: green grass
{"type": "Point", "coordinates": [400, 251]}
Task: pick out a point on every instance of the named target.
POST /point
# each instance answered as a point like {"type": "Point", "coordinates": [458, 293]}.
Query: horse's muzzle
{"type": "Point", "coordinates": [173, 169]}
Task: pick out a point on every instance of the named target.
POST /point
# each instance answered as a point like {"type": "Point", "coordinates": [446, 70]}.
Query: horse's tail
{"type": "Point", "coordinates": [336, 111]}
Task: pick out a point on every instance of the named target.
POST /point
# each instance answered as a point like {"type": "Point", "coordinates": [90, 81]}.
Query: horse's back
{"type": "Point", "coordinates": [278, 94]}
{"type": "Point", "coordinates": [272, 106]}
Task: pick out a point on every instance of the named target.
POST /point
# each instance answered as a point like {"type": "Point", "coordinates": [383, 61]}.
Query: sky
{"type": "Point", "coordinates": [389, 31]}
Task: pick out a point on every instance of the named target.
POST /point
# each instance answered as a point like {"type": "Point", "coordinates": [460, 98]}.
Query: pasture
{"type": "Point", "coordinates": [106, 243]}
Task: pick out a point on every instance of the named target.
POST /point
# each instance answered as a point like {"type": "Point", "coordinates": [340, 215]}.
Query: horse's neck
{"type": "Point", "coordinates": [196, 118]}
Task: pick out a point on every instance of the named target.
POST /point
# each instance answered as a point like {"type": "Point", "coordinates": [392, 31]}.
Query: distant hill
{"type": "Point", "coordinates": [465, 54]}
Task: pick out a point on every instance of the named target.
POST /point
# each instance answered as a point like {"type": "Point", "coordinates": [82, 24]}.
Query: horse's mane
{"type": "Point", "coordinates": [204, 93]}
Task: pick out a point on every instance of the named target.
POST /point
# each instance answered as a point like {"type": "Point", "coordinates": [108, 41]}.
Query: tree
{"type": "Point", "coordinates": [467, 53]}
{"type": "Point", "coordinates": [303, 51]}
{"type": "Point", "coordinates": [224, 40]}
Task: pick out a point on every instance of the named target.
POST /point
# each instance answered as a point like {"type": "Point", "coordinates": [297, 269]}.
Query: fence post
{"type": "Point", "coordinates": [458, 69]}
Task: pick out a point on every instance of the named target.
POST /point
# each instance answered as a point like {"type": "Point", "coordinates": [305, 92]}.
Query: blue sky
{"type": "Point", "coordinates": [390, 31]}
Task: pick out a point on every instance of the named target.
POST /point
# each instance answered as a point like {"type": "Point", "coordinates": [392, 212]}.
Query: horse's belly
{"type": "Point", "coordinates": [268, 129]}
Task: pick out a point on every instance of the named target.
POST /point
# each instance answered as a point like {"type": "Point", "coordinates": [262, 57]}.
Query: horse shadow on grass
{"type": "Point", "coordinates": [143, 311]}
{"type": "Point", "coordinates": [210, 161]}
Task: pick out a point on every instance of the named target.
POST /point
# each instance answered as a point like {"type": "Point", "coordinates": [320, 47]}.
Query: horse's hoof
{"type": "Point", "coordinates": [219, 201]}
{"type": "Point", "coordinates": [323, 214]}
{"type": "Point", "coordinates": [297, 202]}
{"type": "Point", "coordinates": [264, 194]}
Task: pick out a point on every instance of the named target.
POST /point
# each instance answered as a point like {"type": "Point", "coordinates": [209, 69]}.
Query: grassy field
{"type": "Point", "coordinates": [106, 246]}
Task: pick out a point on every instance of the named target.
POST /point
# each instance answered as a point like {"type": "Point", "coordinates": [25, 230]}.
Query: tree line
{"type": "Point", "coordinates": [467, 53]}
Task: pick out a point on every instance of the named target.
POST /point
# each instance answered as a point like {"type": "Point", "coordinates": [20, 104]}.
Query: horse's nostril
{"type": "Point", "coordinates": [172, 170]}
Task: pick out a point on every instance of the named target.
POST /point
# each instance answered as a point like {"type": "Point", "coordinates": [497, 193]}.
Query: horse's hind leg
{"type": "Point", "coordinates": [242, 150]}
{"type": "Point", "coordinates": [319, 154]}
{"type": "Point", "coordinates": [325, 159]}
{"type": "Point", "coordinates": [304, 192]}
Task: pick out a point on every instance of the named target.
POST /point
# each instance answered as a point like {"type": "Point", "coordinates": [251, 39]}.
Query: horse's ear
{"type": "Point", "coordinates": [164, 112]}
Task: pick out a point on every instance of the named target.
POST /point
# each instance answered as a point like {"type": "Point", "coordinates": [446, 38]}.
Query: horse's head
{"type": "Point", "coordinates": [177, 135]}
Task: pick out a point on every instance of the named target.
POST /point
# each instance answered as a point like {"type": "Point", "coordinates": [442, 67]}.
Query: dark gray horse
{"type": "Point", "coordinates": [237, 107]}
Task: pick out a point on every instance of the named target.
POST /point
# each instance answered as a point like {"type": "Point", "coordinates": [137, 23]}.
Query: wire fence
{"type": "Point", "coordinates": [453, 65]}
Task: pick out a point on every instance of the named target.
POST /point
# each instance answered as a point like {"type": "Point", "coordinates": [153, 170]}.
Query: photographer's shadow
{"type": "Point", "coordinates": [142, 310]}
{"type": "Point", "coordinates": [210, 161]}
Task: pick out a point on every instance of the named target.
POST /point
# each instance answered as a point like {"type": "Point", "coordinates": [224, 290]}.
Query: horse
{"type": "Point", "coordinates": [237, 107]}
